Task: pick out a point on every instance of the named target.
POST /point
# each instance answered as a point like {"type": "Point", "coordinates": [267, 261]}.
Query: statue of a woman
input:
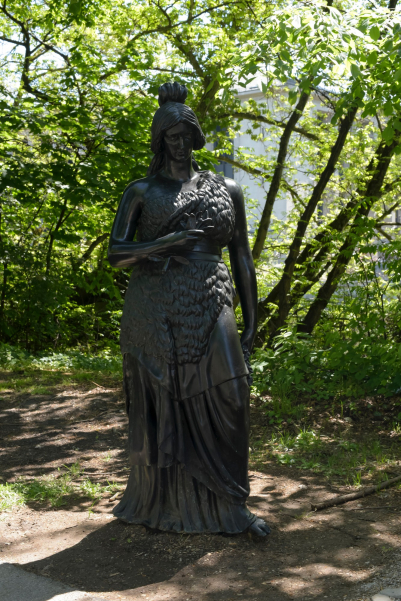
{"type": "Point", "coordinates": [185, 377]}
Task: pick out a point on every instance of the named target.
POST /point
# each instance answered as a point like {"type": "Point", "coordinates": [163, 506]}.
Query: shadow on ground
{"type": "Point", "coordinates": [41, 433]}
{"type": "Point", "coordinates": [308, 555]}
{"type": "Point", "coordinates": [318, 557]}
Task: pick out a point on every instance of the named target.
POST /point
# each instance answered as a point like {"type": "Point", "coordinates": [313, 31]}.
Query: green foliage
{"type": "Point", "coordinates": [341, 460]}
{"type": "Point", "coordinates": [77, 95]}
{"type": "Point", "coordinates": [309, 367]}
{"type": "Point", "coordinates": [355, 351]}
{"type": "Point", "coordinates": [107, 362]}
{"type": "Point", "coordinates": [76, 103]}
{"type": "Point", "coordinates": [55, 491]}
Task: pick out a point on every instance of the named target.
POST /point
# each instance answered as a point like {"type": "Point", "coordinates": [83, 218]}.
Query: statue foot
{"type": "Point", "coordinates": [259, 527]}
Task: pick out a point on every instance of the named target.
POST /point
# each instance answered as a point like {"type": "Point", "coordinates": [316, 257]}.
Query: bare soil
{"type": "Point", "coordinates": [331, 555]}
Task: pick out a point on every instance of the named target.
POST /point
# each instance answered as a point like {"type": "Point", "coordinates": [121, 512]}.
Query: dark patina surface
{"type": "Point", "coordinates": [186, 377]}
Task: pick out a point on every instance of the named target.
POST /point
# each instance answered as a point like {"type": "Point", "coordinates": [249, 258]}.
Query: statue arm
{"type": "Point", "coordinates": [123, 251]}
{"type": "Point", "coordinates": [243, 268]}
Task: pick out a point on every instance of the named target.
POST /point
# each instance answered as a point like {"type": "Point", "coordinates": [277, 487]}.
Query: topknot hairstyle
{"type": "Point", "coordinates": [172, 111]}
{"type": "Point", "coordinates": [172, 92]}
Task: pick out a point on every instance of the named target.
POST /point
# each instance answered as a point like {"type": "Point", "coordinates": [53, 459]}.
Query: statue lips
{"type": "Point", "coordinates": [181, 154]}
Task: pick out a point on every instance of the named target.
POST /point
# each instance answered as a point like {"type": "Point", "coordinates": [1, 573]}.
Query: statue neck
{"type": "Point", "coordinates": [181, 171]}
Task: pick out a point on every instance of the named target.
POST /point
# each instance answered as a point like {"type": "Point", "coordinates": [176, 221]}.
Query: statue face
{"type": "Point", "coordinates": [179, 142]}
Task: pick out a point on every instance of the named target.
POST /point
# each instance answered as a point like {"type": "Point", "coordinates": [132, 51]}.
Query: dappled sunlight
{"type": "Point", "coordinates": [26, 538]}
{"type": "Point", "coordinates": [80, 434]}
{"type": "Point", "coordinates": [316, 556]}
{"type": "Point", "coordinates": [81, 410]}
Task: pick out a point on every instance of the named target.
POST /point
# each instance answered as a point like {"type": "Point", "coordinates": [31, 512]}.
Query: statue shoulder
{"type": "Point", "coordinates": [138, 187]}
{"type": "Point", "coordinates": [235, 191]}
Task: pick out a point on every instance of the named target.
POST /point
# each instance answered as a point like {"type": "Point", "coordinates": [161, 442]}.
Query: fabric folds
{"type": "Point", "coordinates": [170, 499]}
{"type": "Point", "coordinates": [200, 432]}
{"type": "Point", "coordinates": [189, 457]}
{"type": "Point", "coordinates": [185, 378]}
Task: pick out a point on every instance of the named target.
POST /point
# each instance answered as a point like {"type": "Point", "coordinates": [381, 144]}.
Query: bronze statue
{"type": "Point", "coordinates": [185, 368]}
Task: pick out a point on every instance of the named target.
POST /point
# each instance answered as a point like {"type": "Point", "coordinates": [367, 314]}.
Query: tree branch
{"type": "Point", "coordinates": [281, 292]}
{"type": "Point", "coordinates": [4, 10]}
{"type": "Point", "coordinates": [173, 71]}
{"type": "Point", "coordinates": [242, 166]}
{"type": "Point", "coordinates": [295, 196]}
{"type": "Point", "coordinates": [383, 233]}
{"type": "Point", "coordinates": [50, 48]}
{"type": "Point", "coordinates": [165, 29]}
{"type": "Point", "coordinates": [11, 41]}
{"type": "Point", "coordinates": [311, 273]}
{"type": "Point", "coordinates": [373, 192]}
{"type": "Point", "coordinates": [264, 119]}
{"type": "Point", "coordinates": [276, 179]}
{"type": "Point", "coordinates": [25, 82]}
{"type": "Point", "coordinates": [90, 250]}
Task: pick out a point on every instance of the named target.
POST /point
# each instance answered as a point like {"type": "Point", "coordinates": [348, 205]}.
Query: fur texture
{"type": "Point", "coordinates": [171, 315]}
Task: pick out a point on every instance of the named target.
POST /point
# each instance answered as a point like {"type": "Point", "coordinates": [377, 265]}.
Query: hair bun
{"type": "Point", "coordinates": [172, 92]}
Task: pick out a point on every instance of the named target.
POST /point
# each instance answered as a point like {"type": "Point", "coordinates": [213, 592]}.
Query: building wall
{"type": "Point", "coordinates": [257, 188]}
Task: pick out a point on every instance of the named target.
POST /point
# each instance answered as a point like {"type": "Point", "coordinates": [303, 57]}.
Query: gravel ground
{"type": "Point", "coordinates": [389, 577]}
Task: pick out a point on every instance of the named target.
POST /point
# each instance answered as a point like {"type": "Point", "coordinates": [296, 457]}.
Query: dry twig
{"type": "Point", "coordinates": [355, 495]}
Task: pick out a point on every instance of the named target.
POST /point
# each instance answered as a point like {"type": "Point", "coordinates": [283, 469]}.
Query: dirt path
{"type": "Point", "coordinates": [330, 555]}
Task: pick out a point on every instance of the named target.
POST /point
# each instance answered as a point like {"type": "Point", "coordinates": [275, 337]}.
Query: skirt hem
{"type": "Point", "coordinates": [140, 522]}
{"type": "Point", "coordinates": [171, 499]}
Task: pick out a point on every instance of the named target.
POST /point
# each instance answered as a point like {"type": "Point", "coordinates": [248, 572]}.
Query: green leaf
{"type": "Point", "coordinates": [388, 134]}
{"type": "Point", "coordinates": [372, 58]}
{"type": "Point", "coordinates": [292, 96]}
{"type": "Point", "coordinates": [374, 33]}
{"type": "Point", "coordinates": [285, 55]}
{"type": "Point", "coordinates": [210, 86]}
{"type": "Point", "coordinates": [355, 71]}
{"type": "Point", "coordinates": [358, 91]}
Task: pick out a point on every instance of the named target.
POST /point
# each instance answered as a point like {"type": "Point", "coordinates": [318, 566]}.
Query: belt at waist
{"type": "Point", "coordinates": [203, 251]}
{"type": "Point", "coordinates": [197, 255]}
{"type": "Point", "coordinates": [204, 246]}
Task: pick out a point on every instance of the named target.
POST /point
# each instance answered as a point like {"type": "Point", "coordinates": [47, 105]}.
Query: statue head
{"type": "Point", "coordinates": [172, 112]}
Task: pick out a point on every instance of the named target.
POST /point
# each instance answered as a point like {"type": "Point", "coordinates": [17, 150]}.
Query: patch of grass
{"type": "Point", "coordinates": [9, 497]}
{"type": "Point", "coordinates": [107, 362]}
{"type": "Point", "coordinates": [345, 461]}
{"type": "Point", "coordinates": [40, 390]}
{"type": "Point", "coordinates": [38, 373]}
{"type": "Point", "coordinates": [55, 490]}
{"type": "Point", "coordinates": [17, 384]}
{"type": "Point", "coordinates": [41, 382]}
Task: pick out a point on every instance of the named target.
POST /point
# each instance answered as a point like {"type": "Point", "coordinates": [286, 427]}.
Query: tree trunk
{"type": "Point", "coordinates": [281, 292]}
{"type": "Point", "coordinates": [353, 238]}
{"type": "Point", "coordinates": [276, 179]}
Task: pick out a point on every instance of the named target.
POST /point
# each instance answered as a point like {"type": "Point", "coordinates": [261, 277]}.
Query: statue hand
{"type": "Point", "coordinates": [247, 343]}
{"type": "Point", "coordinates": [185, 240]}
{"type": "Point", "coordinates": [247, 339]}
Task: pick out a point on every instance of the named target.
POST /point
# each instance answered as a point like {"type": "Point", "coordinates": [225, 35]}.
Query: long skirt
{"type": "Point", "coordinates": [189, 457]}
